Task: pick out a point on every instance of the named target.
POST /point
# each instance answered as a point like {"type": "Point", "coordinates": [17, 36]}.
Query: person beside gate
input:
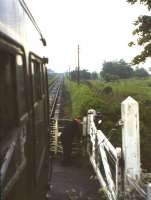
{"type": "Point", "coordinates": [71, 128]}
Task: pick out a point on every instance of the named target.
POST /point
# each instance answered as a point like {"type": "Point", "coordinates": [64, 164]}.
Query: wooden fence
{"type": "Point", "coordinates": [119, 181]}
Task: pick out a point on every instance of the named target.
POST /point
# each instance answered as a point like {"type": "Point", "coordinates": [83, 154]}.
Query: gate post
{"type": "Point", "coordinates": [84, 136]}
{"type": "Point", "coordinates": [84, 127]}
{"type": "Point", "coordinates": [130, 140]}
{"type": "Point", "coordinates": [90, 117]}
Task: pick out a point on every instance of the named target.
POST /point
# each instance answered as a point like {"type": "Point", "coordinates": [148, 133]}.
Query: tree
{"type": "Point", "coordinates": [84, 75]}
{"type": "Point", "coordinates": [114, 70]}
{"type": "Point", "coordinates": [94, 76]}
{"type": "Point", "coordinates": [142, 73]}
{"type": "Point", "coordinates": [143, 31]}
{"type": "Point", "coordinates": [73, 75]}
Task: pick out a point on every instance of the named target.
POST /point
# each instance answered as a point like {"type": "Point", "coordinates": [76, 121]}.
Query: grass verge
{"type": "Point", "coordinates": [91, 95]}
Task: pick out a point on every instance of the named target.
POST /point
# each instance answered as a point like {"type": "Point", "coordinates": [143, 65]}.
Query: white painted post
{"type": "Point", "coordinates": [84, 134]}
{"type": "Point", "coordinates": [131, 138]}
{"type": "Point", "coordinates": [149, 191]}
{"type": "Point", "coordinates": [91, 114]}
{"type": "Point", "coordinates": [84, 126]}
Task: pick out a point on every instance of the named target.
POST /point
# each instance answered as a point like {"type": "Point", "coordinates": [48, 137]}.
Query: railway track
{"type": "Point", "coordinates": [62, 180]}
{"type": "Point", "coordinates": [57, 123]}
{"type": "Point", "coordinates": [54, 104]}
{"type": "Point", "coordinates": [54, 94]}
{"type": "Point", "coordinates": [54, 110]}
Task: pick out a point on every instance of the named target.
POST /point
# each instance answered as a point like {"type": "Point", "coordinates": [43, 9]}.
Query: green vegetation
{"type": "Point", "coordinates": [51, 79]}
{"type": "Point", "coordinates": [82, 98]}
{"type": "Point", "coordinates": [106, 98]}
{"type": "Point", "coordinates": [141, 73]}
{"type": "Point", "coordinates": [84, 75]}
{"type": "Point", "coordinates": [114, 70]}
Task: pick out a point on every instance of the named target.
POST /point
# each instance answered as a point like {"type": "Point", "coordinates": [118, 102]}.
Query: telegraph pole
{"type": "Point", "coordinates": [78, 69]}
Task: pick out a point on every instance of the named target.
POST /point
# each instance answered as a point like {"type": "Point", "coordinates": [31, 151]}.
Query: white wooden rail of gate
{"type": "Point", "coordinates": [100, 151]}
{"type": "Point", "coordinates": [97, 148]}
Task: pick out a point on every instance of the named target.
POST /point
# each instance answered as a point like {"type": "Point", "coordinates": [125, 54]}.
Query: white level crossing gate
{"type": "Point", "coordinates": [118, 181]}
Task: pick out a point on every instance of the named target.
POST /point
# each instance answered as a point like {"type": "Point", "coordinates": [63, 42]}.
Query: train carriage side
{"type": "Point", "coordinates": [23, 105]}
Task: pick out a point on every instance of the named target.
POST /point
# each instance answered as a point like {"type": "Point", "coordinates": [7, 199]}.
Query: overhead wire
{"type": "Point", "coordinates": [29, 14]}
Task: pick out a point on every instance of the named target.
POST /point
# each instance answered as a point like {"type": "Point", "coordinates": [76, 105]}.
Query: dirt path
{"type": "Point", "coordinates": [73, 183]}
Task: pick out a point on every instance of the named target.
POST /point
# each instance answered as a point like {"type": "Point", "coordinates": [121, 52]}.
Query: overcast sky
{"type": "Point", "coordinates": [102, 28]}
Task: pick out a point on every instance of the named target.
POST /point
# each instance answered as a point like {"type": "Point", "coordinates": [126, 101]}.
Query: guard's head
{"type": "Point", "coordinates": [99, 115]}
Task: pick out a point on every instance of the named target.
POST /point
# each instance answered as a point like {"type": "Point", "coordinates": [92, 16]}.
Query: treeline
{"type": "Point", "coordinates": [115, 70]}
{"type": "Point", "coordinates": [111, 71]}
{"type": "Point", "coordinates": [83, 75]}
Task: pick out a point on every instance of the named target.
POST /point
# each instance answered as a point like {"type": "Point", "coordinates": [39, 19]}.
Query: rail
{"type": "Point", "coordinates": [100, 150]}
{"type": "Point", "coordinates": [54, 91]}
{"type": "Point", "coordinates": [53, 95]}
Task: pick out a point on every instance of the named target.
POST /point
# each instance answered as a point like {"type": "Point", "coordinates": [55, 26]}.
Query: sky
{"type": "Point", "coordinates": [102, 28]}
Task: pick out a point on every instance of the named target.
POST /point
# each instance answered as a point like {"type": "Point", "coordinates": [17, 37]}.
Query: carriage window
{"type": "Point", "coordinates": [7, 90]}
{"type": "Point", "coordinates": [33, 81]}
{"type": "Point", "coordinates": [36, 80]}
{"type": "Point", "coordinates": [20, 82]}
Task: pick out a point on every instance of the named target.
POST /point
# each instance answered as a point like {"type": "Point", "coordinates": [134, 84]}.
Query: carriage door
{"type": "Point", "coordinates": [39, 119]}
{"type": "Point", "coordinates": [13, 123]}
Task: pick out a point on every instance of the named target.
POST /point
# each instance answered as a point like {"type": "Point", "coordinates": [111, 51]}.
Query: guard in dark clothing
{"type": "Point", "coordinates": [68, 133]}
{"type": "Point", "coordinates": [98, 120]}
